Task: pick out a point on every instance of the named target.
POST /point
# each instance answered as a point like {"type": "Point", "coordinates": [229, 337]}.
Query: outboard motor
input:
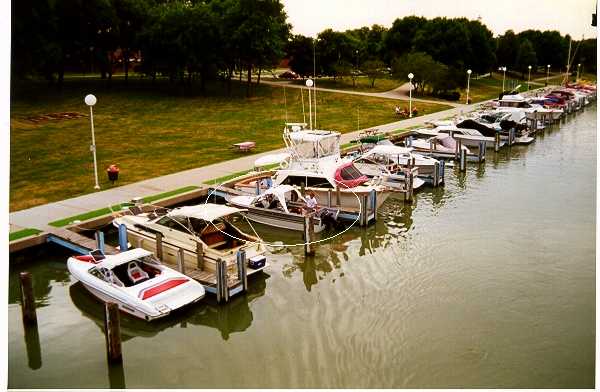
{"type": "Point", "coordinates": [329, 218]}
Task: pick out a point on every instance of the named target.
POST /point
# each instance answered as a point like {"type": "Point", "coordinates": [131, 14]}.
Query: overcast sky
{"type": "Point", "coordinates": [574, 17]}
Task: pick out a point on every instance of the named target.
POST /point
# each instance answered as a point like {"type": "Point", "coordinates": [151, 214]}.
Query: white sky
{"type": "Point", "coordinates": [574, 17]}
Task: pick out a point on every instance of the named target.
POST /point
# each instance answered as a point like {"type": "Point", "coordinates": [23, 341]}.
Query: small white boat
{"type": "Point", "coordinates": [280, 206]}
{"type": "Point", "coordinates": [390, 162]}
{"type": "Point", "coordinates": [136, 281]}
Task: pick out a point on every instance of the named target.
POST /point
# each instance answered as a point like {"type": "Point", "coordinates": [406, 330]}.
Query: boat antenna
{"type": "Point", "coordinates": [303, 113]}
{"type": "Point", "coordinates": [285, 104]}
{"type": "Point", "coordinates": [315, 78]}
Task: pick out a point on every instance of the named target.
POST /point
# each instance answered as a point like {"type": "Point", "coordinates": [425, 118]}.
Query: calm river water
{"type": "Point", "coordinates": [486, 282]}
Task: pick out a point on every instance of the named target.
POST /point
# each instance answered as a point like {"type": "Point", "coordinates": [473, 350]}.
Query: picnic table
{"type": "Point", "coordinates": [244, 146]}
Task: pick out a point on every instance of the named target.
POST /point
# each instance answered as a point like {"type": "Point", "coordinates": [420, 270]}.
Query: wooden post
{"type": "Point", "coordinates": [442, 176]}
{"type": "Point", "coordinates": [497, 141]}
{"type": "Point", "coordinates": [481, 152]}
{"type": "Point", "coordinates": [219, 281]}
{"type": "Point", "coordinates": [99, 236]}
{"type": "Point", "coordinates": [181, 260]}
{"type": "Point", "coordinates": [309, 233]}
{"type": "Point", "coordinates": [463, 160]}
{"type": "Point", "coordinates": [242, 271]}
{"type": "Point", "coordinates": [123, 237]}
{"type": "Point", "coordinates": [224, 284]}
{"type": "Point", "coordinates": [431, 142]}
{"type": "Point", "coordinates": [159, 246]}
{"type": "Point", "coordinates": [329, 198]}
{"type": "Point", "coordinates": [409, 138]}
{"type": "Point", "coordinates": [302, 186]}
{"type": "Point", "coordinates": [32, 345]}
{"type": "Point", "coordinates": [257, 187]}
{"type": "Point", "coordinates": [365, 203]}
{"type": "Point", "coordinates": [199, 256]}
{"type": "Point", "coordinates": [337, 195]}
{"type": "Point", "coordinates": [112, 331]}
{"type": "Point", "coordinates": [27, 299]}
{"type": "Point", "coordinates": [374, 204]}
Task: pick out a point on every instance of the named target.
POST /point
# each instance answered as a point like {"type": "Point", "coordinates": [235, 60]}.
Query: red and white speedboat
{"type": "Point", "coordinates": [136, 281]}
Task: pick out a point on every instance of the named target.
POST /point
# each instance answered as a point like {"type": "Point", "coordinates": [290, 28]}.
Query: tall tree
{"type": "Point", "coordinates": [300, 51]}
{"type": "Point", "coordinates": [398, 40]}
{"type": "Point", "coordinates": [526, 57]}
{"type": "Point", "coordinates": [506, 50]}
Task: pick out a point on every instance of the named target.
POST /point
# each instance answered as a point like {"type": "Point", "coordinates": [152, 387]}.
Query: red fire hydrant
{"type": "Point", "coordinates": [113, 173]}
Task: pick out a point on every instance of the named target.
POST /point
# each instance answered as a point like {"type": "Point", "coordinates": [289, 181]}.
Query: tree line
{"type": "Point", "coordinates": [184, 40]}
{"type": "Point", "coordinates": [199, 40]}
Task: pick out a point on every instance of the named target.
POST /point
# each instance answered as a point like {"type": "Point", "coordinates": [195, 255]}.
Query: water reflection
{"type": "Point", "coordinates": [234, 316]}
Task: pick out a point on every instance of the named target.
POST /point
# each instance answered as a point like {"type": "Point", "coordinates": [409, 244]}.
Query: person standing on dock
{"type": "Point", "coordinates": [311, 202]}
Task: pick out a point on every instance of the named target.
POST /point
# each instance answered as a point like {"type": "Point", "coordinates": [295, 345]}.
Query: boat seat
{"type": "Point", "coordinates": [135, 273]}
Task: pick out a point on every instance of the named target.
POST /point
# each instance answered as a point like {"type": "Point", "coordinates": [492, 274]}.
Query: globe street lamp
{"type": "Point", "coordinates": [503, 69]}
{"type": "Point", "coordinates": [547, 73]}
{"type": "Point", "coordinates": [578, 65]}
{"type": "Point", "coordinates": [528, 77]}
{"type": "Point", "coordinates": [468, 83]}
{"type": "Point", "coordinates": [91, 100]}
{"type": "Point", "coordinates": [410, 77]}
{"type": "Point", "coordinates": [309, 84]}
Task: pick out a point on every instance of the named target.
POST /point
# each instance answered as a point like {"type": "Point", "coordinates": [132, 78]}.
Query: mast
{"type": "Point", "coordinates": [568, 62]}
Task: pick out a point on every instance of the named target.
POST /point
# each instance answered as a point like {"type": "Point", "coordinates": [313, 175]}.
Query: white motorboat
{"type": "Point", "coordinates": [451, 129]}
{"type": "Point", "coordinates": [136, 281]}
{"type": "Point", "coordinates": [390, 162]}
{"type": "Point", "coordinates": [439, 144]}
{"type": "Point", "coordinates": [488, 123]}
{"type": "Point", "coordinates": [280, 206]}
{"type": "Point", "coordinates": [315, 164]}
{"type": "Point", "coordinates": [206, 226]}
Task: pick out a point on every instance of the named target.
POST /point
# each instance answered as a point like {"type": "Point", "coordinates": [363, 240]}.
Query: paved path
{"type": "Point", "coordinates": [397, 93]}
{"type": "Point", "coordinates": [38, 217]}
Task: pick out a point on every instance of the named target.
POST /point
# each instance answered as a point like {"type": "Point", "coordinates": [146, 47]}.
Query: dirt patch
{"type": "Point", "coordinates": [54, 117]}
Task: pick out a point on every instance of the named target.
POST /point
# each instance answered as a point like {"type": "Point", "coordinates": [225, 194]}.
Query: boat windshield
{"type": "Point", "coordinates": [350, 173]}
{"type": "Point", "coordinates": [317, 148]}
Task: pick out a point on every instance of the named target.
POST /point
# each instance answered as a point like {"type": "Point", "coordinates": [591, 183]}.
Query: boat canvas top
{"type": "Point", "coordinates": [388, 150]}
{"type": "Point", "coordinates": [312, 135]}
{"type": "Point", "coordinates": [112, 261]}
{"type": "Point", "coordinates": [271, 159]}
{"type": "Point", "coordinates": [513, 98]}
{"type": "Point", "coordinates": [279, 192]}
{"type": "Point", "coordinates": [207, 212]}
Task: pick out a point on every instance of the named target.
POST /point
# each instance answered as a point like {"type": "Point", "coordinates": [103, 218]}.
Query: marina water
{"type": "Point", "coordinates": [486, 282]}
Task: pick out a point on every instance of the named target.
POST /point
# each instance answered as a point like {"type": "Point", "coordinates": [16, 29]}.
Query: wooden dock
{"type": "Point", "coordinates": [77, 242]}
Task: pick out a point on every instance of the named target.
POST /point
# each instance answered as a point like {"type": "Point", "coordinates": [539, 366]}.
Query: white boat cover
{"type": "Point", "coordinates": [207, 212]}
{"type": "Point", "coordinates": [280, 191]}
{"type": "Point", "coordinates": [123, 257]}
{"type": "Point", "coordinates": [388, 150]}
{"type": "Point", "coordinates": [271, 159]}
{"type": "Point", "coordinates": [314, 135]}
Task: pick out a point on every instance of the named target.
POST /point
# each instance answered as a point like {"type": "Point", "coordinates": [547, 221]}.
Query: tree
{"type": "Point", "coordinates": [483, 47]}
{"type": "Point", "coordinates": [446, 40]}
{"type": "Point", "coordinates": [300, 51]}
{"type": "Point", "coordinates": [374, 69]}
{"type": "Point", "coordinates": [398, 40]}
{"type": "Point", "coordinates": [422, 65]}
{"type": "Point", "coordinates": [131, 16]}
{"type": "Point", "coordinates": [526, 57]}
{"type": "Point", "coordinates": [333, 48]}
{"type": "Point", "coordinates": [506, 50]}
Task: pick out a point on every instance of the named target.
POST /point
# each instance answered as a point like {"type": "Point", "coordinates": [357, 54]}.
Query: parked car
{"type": "Point", "coordinates": [288, 75]}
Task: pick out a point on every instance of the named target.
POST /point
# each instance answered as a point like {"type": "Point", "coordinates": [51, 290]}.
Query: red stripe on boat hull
{"type": "Point", "coordinates": [169, 284]}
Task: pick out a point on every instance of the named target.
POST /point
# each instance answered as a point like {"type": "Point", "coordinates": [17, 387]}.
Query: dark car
{"type": "Point", "coordinates": [288, 75]}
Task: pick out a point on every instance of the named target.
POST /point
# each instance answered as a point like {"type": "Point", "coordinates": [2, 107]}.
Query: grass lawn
{"type": "Point", "coordinates": [150, 132]}
{"type": "Point", "coordinates": [363, 84]}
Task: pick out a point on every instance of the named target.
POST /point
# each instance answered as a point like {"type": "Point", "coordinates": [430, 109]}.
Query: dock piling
{"type": "Point", "coordinates": [463, 160]}
{"type": "Point", "coordinates": [374, 204]}
{"type": "Point", "coordinates": [112, 331]}
{"type": "Point", "coordinates": [199, 256]}
{"type": "Point", "coordinates": [99, 236]}
{"type": "Point", "coordinates": [242, 271]}
{"type": "Point", "coordinates": [337, 195]}
{"type": "Point", "coordinates": [511, 136]}
{"type": "Point", "coordinates": [27, 299]}
{"type": "Point", "coordinates": [181, 260]}
{"type": "Point", "coordinates": [309, 233]}
{"type": "Point", "coordinates": [222, 286]}
{"type": "Point", "coordinates": [123, 237]}
{"type": "Point", "coordinates": [159, 246]}
{"type": "Point", "coordinates": [481, 152]}
{"type": "Point", "coordinates": [497, 141]}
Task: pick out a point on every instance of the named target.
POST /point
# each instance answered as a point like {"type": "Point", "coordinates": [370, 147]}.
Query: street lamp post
{"type": "Point", "coordinates": [528, 77]}
{"type": "Point", "coordinates": [91, 100]}
{"type": "Point", "coordinates": [468, 83]}
{"type": "Point", "coordinates": [503, 77]}
{"type": "Point", "coordinates": [309, 84]}
{"type": "Point", "coordinates": [410, 77]}
{"type": "Point", "coordinates": [577, 79]}
{"type": "Point", "coordinates": [547, 73]}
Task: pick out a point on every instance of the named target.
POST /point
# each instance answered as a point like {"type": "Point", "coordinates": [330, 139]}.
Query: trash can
{"type": "Point", "coordinates": [113, 173]}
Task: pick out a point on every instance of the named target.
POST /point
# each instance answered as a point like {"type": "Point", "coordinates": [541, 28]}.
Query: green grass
{"type": "Point", "coordinates": [220, 180]}
{"type": "Point", "coordinates": [17, 235]}
{"type": "Point", "coordinates": [164, 195]}
{"type": "Point", "coordinates": [118, 207]}
{"type": "Point", "coordinates": [362, 84]}
{"type": "Point", "coordinates": [153, 131]}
